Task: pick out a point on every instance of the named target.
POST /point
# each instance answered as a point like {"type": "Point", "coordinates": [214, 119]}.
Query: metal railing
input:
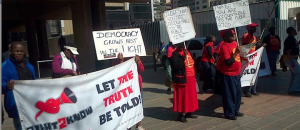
{"type": "Point", "coordinates": [38, 66]}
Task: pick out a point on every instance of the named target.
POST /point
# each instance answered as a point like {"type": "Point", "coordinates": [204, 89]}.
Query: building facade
{"type": "Point", "coordinates": [201, 5]}
{"type": "Point", "coordinates": [182, 3]}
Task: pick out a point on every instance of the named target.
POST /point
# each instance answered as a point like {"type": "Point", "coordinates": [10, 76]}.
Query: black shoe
{"type": "Point", "coordinates": [232, 118]}
{"type": "Point", "coordinates": [294, 93]}
{"type": "Point", "coordinates": [182, 119]}
{"type": "Point", "coordinates": [239, 114]}
{"type": "Point", "coordinates": [169, 91]}
{"type": "Point", "coordinates": [248, 94]}
{"type": "Point", "coordinates": [274, 74]}
{"type": "Point", "coordinates": [255, 93]}
{"type": "Point", "coordinates": [190, 115]}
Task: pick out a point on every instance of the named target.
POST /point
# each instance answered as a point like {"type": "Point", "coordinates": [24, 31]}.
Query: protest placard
{"type": "Point", "coordinates": [243, 29]}
{"type": "Point", "coordinates": [179, 25]}
{"type": "Point", "coordinates": [127, 41]}
{"type": "Point", "coordinates": [232, 15]}
{"type": "Point", "coordinates": [109, 99]}
{"type": "Point", "coordinates": [264, 68]}
{"type": "Point", "coordinates": [251, 68]}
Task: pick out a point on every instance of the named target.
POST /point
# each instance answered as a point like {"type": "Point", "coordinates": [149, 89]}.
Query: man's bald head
{"type": "Point", "coordinates": [15, 43]}
{"type": "Point", "coordinates": [17, 50]}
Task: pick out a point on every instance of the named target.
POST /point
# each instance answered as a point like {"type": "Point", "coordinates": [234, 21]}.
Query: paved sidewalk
{"type": "Point", "coordinates": [273, 109]}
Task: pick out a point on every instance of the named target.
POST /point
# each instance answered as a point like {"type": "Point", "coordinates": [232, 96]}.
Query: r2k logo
{"type": "Point", "coordinates": [51, 106]}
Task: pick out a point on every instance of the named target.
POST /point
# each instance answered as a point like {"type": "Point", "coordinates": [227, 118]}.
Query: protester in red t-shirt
{"type": "Point", "coordinates": [207, 61]}
{"type": "Point", "coordinates": [218, 84]}
{"type": "Point", "coordinates": [230, 63]}
{"type": "Point", "coordinates": [249, 38]}
{"type": "Point", "coordinates": [273, 46]}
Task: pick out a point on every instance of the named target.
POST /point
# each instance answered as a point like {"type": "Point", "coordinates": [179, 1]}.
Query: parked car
{"type": "Point", "coordinates": [195, 46]}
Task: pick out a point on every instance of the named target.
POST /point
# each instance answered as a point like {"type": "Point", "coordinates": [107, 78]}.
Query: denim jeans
{"type": "Point", "coordinates": [272, 57]}
{"type": "Point", "coordinates": [17, 123]}
{"type": "Point", "coordinates": [250, 89]}
{"type": "Point", "coordinates": [295, 76]}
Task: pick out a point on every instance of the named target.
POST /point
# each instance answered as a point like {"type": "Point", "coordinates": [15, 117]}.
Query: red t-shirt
{"type": "Point", "coordinates": [219, 47]}
{"type": "Point", "coordinates": [249, 39]}
{"type": "Point", "coordinates": [205, 56]}
{"type": "Point", "coordinates": [170, 51]}
{"type": "Point", "coordinates": [227, 50]}
{"type": "Point", "coordinates": [274, 44]}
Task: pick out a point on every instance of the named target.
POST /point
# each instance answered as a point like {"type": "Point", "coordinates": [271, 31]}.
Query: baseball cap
{"type": "Point", "coordinates": [252, 25]}
{"type": "Point", "coordinates": [224, 31]}
{"type": "Point", "coordinates": [72, 48]}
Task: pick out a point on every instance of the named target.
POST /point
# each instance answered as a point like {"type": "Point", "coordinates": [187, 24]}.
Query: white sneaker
{"type": "Point", "coordinates": [140, 128]}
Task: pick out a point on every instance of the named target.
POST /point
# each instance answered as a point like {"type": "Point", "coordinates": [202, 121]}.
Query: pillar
{"type": "Point", "coordinates": [42, 39]}
{"type": "Point", "coordinates": [98, 15]}
{"type": "Point", "coordinates": [298, 21]}
{"type": "Point", "coordinates": [31, 41]}
{"type": "Point", "coordinates": [98, 12]}
{"type": "Point", "coordinates": [83, 37]}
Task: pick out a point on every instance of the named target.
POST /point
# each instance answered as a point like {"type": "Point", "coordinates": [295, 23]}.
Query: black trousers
{"type": "Point", "coordinates": [209, 75]}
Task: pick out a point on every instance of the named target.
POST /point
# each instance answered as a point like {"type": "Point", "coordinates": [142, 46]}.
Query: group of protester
{"type": "Point", "coordinates": [221, 69]}
{"type": "Point", "coordinates": [64, 64]}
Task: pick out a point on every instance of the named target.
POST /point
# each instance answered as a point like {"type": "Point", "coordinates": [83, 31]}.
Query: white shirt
{"type": "Point", "coordinates": [66, 63]}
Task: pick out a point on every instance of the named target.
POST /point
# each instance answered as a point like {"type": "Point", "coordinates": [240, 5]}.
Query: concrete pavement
{"type": "Point", "coordinates": [273, 109]}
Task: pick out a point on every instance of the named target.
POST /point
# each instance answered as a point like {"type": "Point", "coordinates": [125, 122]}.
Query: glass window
{"type": "Point", "coordinates": [197, 2]}
{"type": "Point", "coordinates": [195, 45]}
{"type": "Point", "coordinates": [204, 1]}
{"type": "Point", "coordinates": [205, 6]}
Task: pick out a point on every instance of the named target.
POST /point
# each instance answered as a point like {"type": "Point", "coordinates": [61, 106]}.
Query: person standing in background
{"type": "Point", "coordinates": [5, 55]}
{"type": "Point", "coordinates": [291, 54]}
{"type": "Point", "coordinates": [169, 82]}
{"type": "Point", "coordinates": [208, 63]}
{"type": "Point", "coordinates": [273, 47]}
{"type": "Point", "coordinates": [65, 63]}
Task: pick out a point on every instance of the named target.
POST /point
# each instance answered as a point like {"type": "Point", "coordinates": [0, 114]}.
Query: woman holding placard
{"type": "Point", "coordinates": [183, 75]}
{"type": "Point", "coordinates": [140, 68]}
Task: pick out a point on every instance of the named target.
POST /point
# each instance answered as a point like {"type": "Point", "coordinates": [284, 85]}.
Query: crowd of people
{"type": "Point", "coordinates": [220, 67]}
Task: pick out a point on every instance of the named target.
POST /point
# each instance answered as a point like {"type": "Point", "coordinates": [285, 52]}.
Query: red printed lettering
{"type": "Point", "coordinates": [117, 96]}
{"type": "Point", "coordinates": [252, 62]}
{"type": "Point", "coordinates": [62, 123]}
{"type": "Point", "coordinates": [125, 78]}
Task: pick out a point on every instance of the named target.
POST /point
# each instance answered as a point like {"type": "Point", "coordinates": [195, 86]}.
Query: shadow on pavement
{"type": "Point", "coordinates": [155, 90]}
{"type": "Point", "coordinates": [207, 108]}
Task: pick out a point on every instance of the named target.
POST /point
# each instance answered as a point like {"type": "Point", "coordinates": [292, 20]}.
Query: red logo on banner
{"type": "Point", "coordinates": [51, 106]}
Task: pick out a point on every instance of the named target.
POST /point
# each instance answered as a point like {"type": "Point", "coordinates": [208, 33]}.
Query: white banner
{"type": "Point", "coordinates": [127, 41]}
{"type": "Point", "coordinates": [179, 24]}
{"type": "Point", "coordinates": [243, 29]}
{"type": "Point", "coordinates": [232, 15]}
{"type": "Point", "coordinates": [251, 69]}
{"type": "Point", "coordinates": [264, 68]}
{"type": "Point", "coordinates": [109, 99]}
